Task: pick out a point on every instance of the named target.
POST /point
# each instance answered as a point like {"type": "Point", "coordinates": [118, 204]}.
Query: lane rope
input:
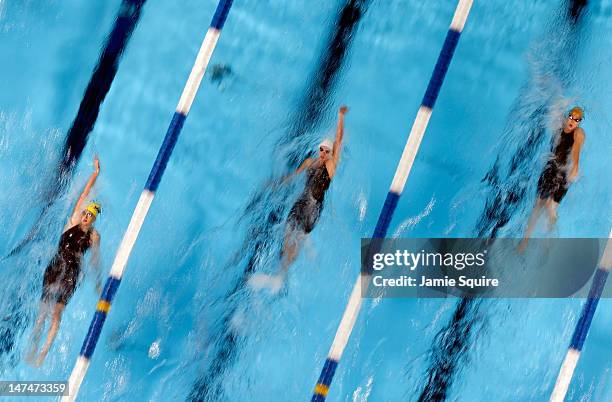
{"type": "Point", "coordinates": [566, 372]}
{"type": "Point", "coordinates": [399, 180]}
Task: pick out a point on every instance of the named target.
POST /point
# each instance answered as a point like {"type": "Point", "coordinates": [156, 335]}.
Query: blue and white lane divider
{"type": "Point", "coordinates": [401, 175]}
{"type": "Point", "coordinates": [146, 198]}
{"type": "Point", "coordinates": [582, 326]}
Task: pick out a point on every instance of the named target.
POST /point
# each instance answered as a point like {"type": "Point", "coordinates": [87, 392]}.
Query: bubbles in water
{"type": "Point", "coordinates": [154, 350]}
{"type": "Point", "coordinates": [412, 221]}
{"type": "Point", "coordinates": [363, 206]}
{"type": "Point", "coordinates": [361, 394]}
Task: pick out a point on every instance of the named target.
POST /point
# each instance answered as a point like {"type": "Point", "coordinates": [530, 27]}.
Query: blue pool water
{"type": "Point", "coordinates": [178, 328]}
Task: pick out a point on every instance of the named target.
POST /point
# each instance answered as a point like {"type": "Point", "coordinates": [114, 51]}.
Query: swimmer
{"type": "Point", "coordinates": [558, 173]}
{"type": "Point", "coordinates": [307, 209]}
{"type": "Point", "coordinates": [62, 275]}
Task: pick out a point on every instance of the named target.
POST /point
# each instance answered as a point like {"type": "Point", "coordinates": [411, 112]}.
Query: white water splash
{"type": "Point", "coordinates": [154, 349]}
{"type": "Point", "coordinates": [363, 206]}
{"type": "Point", "coordinates": [412, 221]}
{"type": "Point", "coordinates": [367, 390]}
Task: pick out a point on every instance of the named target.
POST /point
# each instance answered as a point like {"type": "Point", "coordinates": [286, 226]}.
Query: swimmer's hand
{"type": "Point", "coordinates": [343, 109]}
{"type": "Point", "coordinates": [99, 286]}
{"type": "Point", "coordinates": [96, 165]}
{"type": "Point", "coordinates": [272, 183]}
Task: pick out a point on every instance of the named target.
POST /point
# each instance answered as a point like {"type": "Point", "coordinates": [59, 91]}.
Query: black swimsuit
{"type": "Point", "coordinates": [307, 209]}
{"type": "Point", "coordinates": [553, 180]}
{"type": "Point", "coordinates": [62, 274]}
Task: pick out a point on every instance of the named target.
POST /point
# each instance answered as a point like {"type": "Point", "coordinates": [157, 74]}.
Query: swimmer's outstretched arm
{"type": "Point", "coordinates": [578, 141]}
{"type": "Point", "coordinates": [74, 217]}
{"type": "Point", "coordinates": [339, 134]}
{"type": "Point", "coordinates": [307, 162]}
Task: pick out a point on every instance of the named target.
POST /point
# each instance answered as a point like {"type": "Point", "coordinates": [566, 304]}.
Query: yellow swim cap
{"type": "Point", "coordinates": [94, 208]}
{"type": "Point", "coordinates": [577, 112]}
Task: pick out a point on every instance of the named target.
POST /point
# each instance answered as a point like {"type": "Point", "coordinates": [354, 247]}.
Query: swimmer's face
{"type": "Point", "coordinates": [572, 121]}
{"type": "Point", "coordinates": [87, 218]}
{"type": "Point", "coordinates": [324, 153]}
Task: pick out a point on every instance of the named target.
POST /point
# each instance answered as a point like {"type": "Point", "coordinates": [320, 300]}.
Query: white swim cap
{"type": "Point", "coordinates": [326, 143]}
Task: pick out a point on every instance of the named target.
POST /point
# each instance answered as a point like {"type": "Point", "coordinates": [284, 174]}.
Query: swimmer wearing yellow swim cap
{"type": "Point", "coordinates": [63, 272]}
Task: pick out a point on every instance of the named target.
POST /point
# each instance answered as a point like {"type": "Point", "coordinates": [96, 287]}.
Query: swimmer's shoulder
{"type": "Point", "coordinates": [70, 223]}
{"type": "Point", "coordinates": [95, 236]}
{"type": "Point", "coordinates": [579, 135]}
